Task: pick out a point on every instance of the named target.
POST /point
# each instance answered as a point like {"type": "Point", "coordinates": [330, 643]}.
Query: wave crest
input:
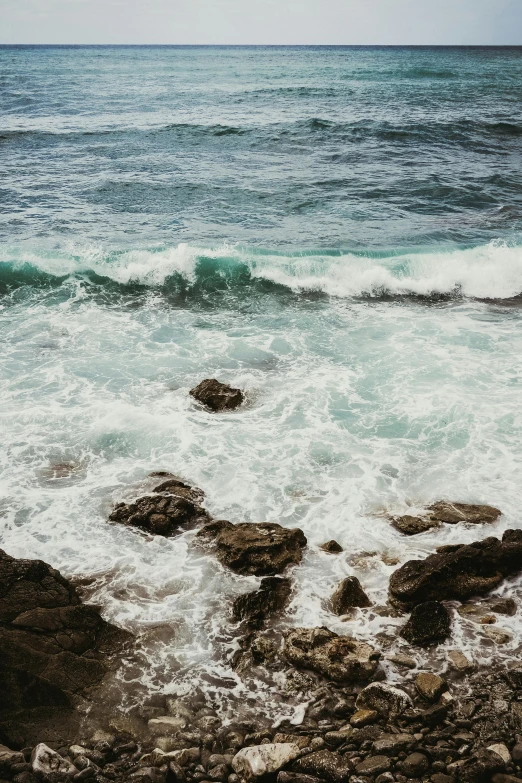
{"type": "Point", "coordinates": [492, 271]}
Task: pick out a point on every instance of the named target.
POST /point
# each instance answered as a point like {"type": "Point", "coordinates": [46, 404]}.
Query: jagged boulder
{"type": "Point", "coordinates": [445, 512]}
{"type": "Point", "coordinates": [429, 622]}
{"type": "Point", "coordinates": [349, 594]}
{"type": "Point", "coordinates": [337, 658]}
{"type": "Point", "coordinates": [254, 608]}
{"type": "Point", "coordinates": [263, 549]}
{"type": "Point", "coordinates": [217, 396]}
{"type": "Point", "coordinates": [53, 649]}
{"type": "Point", "coordinates": [172, 507]}
{"type": "Point", "coordinates": [457, 572]}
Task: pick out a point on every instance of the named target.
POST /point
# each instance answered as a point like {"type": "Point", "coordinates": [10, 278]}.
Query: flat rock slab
{"type": "Point", "coordinates": [263, 549]}
{"type": "Point", "coordinates": [338, 658]}
{"type": "Point", "coordinates": [174, 506]}
{"type": "Point", "coordinates": [458, 572]}
{"type": "Point", "coordinates": [445, 512]}
{"type": "Point", "coordinates": [217, 396]}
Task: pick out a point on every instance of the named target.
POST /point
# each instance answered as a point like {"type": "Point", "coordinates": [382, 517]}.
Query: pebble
{"type": "Point", "coordinates": [363, 717]}
{"type": "Point", "coordinates": [373, 765]}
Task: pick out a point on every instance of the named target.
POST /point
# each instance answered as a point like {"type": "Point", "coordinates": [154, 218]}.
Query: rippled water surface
{"type": "Point", "coordinates": [335, 230]}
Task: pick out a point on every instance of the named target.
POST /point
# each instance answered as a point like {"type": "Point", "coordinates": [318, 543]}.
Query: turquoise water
{"type": "Point", "coordinates": [335, 230]}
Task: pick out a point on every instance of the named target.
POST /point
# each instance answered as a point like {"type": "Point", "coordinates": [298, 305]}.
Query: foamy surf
{"type": "Point", "coordinates": [492, 271]}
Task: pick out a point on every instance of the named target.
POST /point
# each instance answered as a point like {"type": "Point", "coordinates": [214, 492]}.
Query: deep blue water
{"type": "Point", "coordinates": [336, 230]}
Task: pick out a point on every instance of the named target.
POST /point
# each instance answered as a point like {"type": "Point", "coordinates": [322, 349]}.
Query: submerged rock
{"type": "Point", "coordinates": [254, 608]}
{"type": "Point", "coordinates": [332, 547]}
{"type": "Point", "coordinates": [217, 396]}
{"type": "Point", "coordinates": [338, 658]}
{"type": "Point", "coordinates": [429, 622]}
{"type": "Point", "coordinates": [459, 571]}
{"type": "Point", "coordinates": [445, 512]}
{"type": "Point", "coordinates": [263, 549]}
{"type": "Point", "coordinates": [259, 760]}
{"type": "Point", "coordinates": [349, 594]}
{"type": "Point", "coordinates": [52, 649]}
{"type": "Point", "coordinates": [173, 507]}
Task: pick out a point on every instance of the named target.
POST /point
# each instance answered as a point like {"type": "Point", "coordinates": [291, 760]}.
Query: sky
{"type": "Point", "coordinates": [261, 21]}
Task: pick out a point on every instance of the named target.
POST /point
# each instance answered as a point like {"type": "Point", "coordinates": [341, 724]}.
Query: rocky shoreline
{"type": "Point", "coordinates": [462, 727]}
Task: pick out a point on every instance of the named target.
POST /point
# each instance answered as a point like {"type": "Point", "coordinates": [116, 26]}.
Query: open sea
{"type": "Point", "coordinates": [337, 231]}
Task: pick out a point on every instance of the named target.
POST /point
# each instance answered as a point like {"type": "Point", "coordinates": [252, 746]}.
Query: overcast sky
{"type": "Point", "coordinates": [261, 21]}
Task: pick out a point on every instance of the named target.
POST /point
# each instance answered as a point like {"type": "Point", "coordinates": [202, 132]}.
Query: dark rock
{"type": "Point", "coordinates": [516, 752]}
{"type": "Point", "coordinates": [430, 686]}
{"type": "Point", "coordinates": [391, 744]}
{"type": "Point", "coordinates": [411, 526]}
{"type": "Point", "coordinates": [325, 764]}
{"type": "Point", "coordinates": [174, 506]}
{"type": "Point", "coordinates": [338, 658]}
{"type": "Point", "coordinates": [451, 513]}
{"type": "Point", "coordinates": [415, 765]}
{"type": "Point", "coordinates": [52, 650]}
{"type": "Point", "coordinates": [386, 699]}
{"type": "Point", "coordinates": [254, 608]}
{"type": "Point", "coordinates": [434, 715]}
{"type": "Point", "coordinates": [439, 777]}
{"type": "Point", "coordinates": [217, 396]}
{"type": "Point", "coordinates": [480, 768]}
{"type": "Point", "coordinates": [445, 512]}
{"type": "Point", "coordinates": [373, 765]}
{"type": "Point", "coordinates": [332, 546]}
{"type": "Point", "coordinates": [349, 594]}
{"type": "Point", "coordinates": [458, 571]}
{"type": "Point", "coordinates": [295, 777]}
{"type": "Point", "coordinates": [263, 549]}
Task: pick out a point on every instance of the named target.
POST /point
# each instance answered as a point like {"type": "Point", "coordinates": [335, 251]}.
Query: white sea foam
{"type": "Point", "coordinates": [355, 410]}
{"type": "Point", "coordinates": [489, 271]}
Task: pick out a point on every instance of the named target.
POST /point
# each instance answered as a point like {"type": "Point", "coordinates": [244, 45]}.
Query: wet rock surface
{"type": "Point", "coordinates": [444, 512]}
{"type": "Point", "coordinates": [429, 622]}
{"type": "Point", "coordinates": [254, 608]}
{"type": "Point", "coordinates": [349, 594]}
{"type": "Point", "coordinates": [338, 658]}
{"type": "Point", "coordinates": [458, 572]}
{"type": "Point", "coordinates": [53, 649]}
{"type": "Point", "coordinates": [217, 396]}
{"type": "Point", "coordinates": [174, 506]}
{"type": "Point", "coordinates": [263, 549]}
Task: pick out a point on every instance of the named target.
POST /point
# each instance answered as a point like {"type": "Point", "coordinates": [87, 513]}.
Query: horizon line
{"type": "Point", "coordinates": [270, 45]}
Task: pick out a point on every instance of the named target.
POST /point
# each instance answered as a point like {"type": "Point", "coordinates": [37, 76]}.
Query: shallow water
{"type": "Point", "coordinates": [337, 231]}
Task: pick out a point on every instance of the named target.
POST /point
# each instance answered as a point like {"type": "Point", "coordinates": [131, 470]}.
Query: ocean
{"type": "Point", "coordinates": [335, 230]}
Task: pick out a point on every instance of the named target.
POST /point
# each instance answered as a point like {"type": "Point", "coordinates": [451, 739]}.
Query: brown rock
{"type": "Point", "coordinates": [429, 622]}
{"type": "Point", "coordinates": [338, 658]}
{"type": "Point", "coordinates": [263, 549]}
{"type": "Point", "coordinates": [332, 546]}
{"type": "Point", "coordinates": [326, 765]}
{"type": "Point", "coordinates": [217, 396]}
{"type": "Point", "coordinates": [348, 594]}
{"type": "Point", "coordinates": [363, 718]}
{"type": "Point", "coordinates": [174, 506]}
{"type": "Point", "coordinates": [254, 608]}
{"type": "Point", "coordinates": [430, 686]}
{"type": "Point", "coordinates": [445, 512]}
{"type": "Point", "coordinates": [458, 571]}
{"type": "Point", "coordinates": [53, 649]}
